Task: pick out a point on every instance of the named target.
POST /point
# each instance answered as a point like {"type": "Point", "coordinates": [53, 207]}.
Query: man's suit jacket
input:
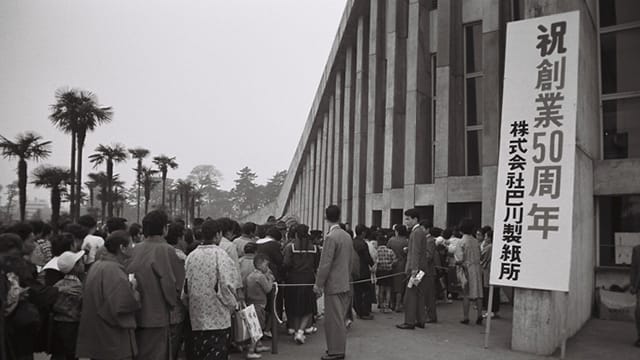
{"type": "Point", "coordinates": [417, 252]}
{"type": "Point", "coordinates": [335, 262]}
{"type": "Point", "coordinates": [635, 267]}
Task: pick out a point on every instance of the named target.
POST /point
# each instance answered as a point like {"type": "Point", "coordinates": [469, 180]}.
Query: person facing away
{"type": "Point", "coordinates": [332, 280]}
{"type": "Point", "coordinates": [67, 307]}
{"type": "Point", "coordinates": [246, 261]}
{"type": "Point", "coordinates": [91, 243]}
{"type": "Point", "coordinates": [635, 286]}
{"type": "Point", "coordinates": [159, 275]}
{"type": "Point", "coordinates": [414, 298]}
{"type": "Point", "coordinates": [247, 234]}
{"type": "Point", "coordinates": [399, 244]}
{"type": "Point", "coordinates": [210, 295]}
{"type": "Point", "coordinates": [109, 302]}
{"type": "Point", "coordinates": [363, 292]}
{"type": "Point", "coordinates": [258, 285]}
{"type": "Point", "coordinates": [470, 265]}
{"type": "Point", "coordinates": [386, 260]}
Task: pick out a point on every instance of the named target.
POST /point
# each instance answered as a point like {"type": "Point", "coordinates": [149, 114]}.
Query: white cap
{"type": "Point", "coordinates": [68, 260]}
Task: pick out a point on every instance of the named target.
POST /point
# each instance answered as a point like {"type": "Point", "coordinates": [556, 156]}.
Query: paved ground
{"type": "Point", "coordinates": [379, 339]}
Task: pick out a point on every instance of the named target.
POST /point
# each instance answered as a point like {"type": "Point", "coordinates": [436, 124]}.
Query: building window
{"type": "Point", "coordinates": [619, 228]}
{"type": "Point", "coordinates": [473, 94]}
{"type": "Point", "coordinates": [397, 217]}
{"type": "Point", "coordinates": [619, 59]}
{"type": "Point", "coordinates": [376, 217]}
{"type": "Point", "coordinates": [458, 211]}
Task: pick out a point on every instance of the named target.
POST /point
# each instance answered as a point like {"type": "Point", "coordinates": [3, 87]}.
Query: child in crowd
{"type": "Point", "coordinates": [258, 285]}
{"type": "Point", "coordinates": [386, 260]}
{"type": "Point", "coordinates": [68, 305]}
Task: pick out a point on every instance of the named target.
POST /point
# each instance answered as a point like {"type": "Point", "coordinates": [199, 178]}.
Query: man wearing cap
{"type": "Point", "coordinates": [67, 307]}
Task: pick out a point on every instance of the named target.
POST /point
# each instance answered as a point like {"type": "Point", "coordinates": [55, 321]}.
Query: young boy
{"type": "Point", "coordinates": [386, 260]}
{"type": "Point", "coordinates": [257, 285]}
{"type": "Point", "coordinates": [68, 305]}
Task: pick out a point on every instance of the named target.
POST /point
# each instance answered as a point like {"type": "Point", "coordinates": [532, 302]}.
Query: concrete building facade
{"type": "Point", "coordinates": [407, 114]}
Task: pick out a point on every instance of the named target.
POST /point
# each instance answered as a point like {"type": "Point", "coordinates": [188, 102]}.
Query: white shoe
{"type": "Point", "coordinates": [254, 356]}
{"type": "Point", "coordinates": [310, 330]}
{"type": "Point", "coordinates": [299, 337]}
{"type": "Point", "coordinates": [291, 331]}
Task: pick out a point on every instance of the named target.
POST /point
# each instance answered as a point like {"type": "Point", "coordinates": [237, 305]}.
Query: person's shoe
{"type": "Point", "coordinates": [299, 337]}
{"type": "Point", "coordinates": [432, 321]}
{"type": "Point", "coordinates": [310, 330]}
{"type": "Point", "coordinates": [291, 331]}
{"type": "Point", "coordinates": [253, 356]}
{"type": "Point", "coordinates": [332, 357]}
{"type": "Point", "coordinates": [366, 317]}
{"type": "Point", "coordinates": [348, 323]}
{"type": "Point", "coordinates": [262, 348]}
{"type": "Point", "coordinates": [405, 327]}
{"type": "Point", "coordinates": [464, 322]}
{"type": "Point", "coordinates": [479, 321]}
{"type": "Point", "coordinates": [267, 334]}
{"type": "Point", "coordinates": [420, 325]}
{"type": "Point", "coordinates": [449, 301]}
{"type": "Point", "coordinates": [399, 309]}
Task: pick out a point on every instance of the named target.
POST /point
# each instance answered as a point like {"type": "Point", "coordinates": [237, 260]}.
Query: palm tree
{"type": "Point", "coordinates": [109, 155]}
{"type": "Point", "coordinates": [56, 179]}
{"type": "Point", "coordinates": [27, 146]}
{"type": "Point", "coordinates": [77, 112]}
{"type": "Point", "coordinates": [139, 154]}
{"type": "Point", "coordinates": [164, 163]}
{"type": "Point", "coordinates": [184, 188]}
{"type": "Point", "coordinates": [148, 182]}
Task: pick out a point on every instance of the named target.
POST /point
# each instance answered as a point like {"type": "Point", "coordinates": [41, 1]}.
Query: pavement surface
{"type": "Point", "coordinates": [448, 339]}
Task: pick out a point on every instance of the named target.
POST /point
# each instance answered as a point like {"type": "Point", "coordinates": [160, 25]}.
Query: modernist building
{"type": "Point", "coordinates": [407, 114]}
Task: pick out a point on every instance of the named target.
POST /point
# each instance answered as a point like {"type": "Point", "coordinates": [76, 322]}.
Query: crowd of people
{"type": "Point", "coordinates": [168, 290]}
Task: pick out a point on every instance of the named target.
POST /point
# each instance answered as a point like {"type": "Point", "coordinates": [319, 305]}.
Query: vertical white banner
{"type": "Point", "coordinates": [534, 198]}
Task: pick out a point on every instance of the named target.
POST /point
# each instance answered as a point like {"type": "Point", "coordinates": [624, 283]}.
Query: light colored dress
{"type": "Point", "coordinates": [471, 263]}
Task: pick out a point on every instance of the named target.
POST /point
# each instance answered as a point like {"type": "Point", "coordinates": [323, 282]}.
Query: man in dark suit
{"type": "Point", "coordinates": [333, 280]}
{"type": "Point", "coordinates": [635, 286]}
{"type": "Point", "coordinates": [414, 298]}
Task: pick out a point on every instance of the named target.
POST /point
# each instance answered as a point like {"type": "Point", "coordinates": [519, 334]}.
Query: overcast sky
{"type": "Point", "coordinates": [228, 83]}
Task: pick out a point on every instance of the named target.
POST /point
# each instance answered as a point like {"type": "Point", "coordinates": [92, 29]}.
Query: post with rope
{"type": "Point", "coordinates": [274, 321]}
{"type": "Point", "coordinates": [487, 330]}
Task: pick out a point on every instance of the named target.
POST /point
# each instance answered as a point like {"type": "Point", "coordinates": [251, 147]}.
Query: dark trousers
{"type": "Point", "coordinates": [415, 304]}
{"type": "Point", "coordinates": [495, 306]}
{"type": "Point", "coordinates": [362, 298]}
{"type": "Point", "coordinates": [430, 297]}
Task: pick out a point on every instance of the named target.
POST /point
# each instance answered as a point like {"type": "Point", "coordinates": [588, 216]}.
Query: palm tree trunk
{"type": "Point", "coordinates": [22, 187]}
{"type": "Point", "coordinates": [103, 204]}
{"type": "Point", "coordinates": [193, 206]}
{"type": "Point", "coordinates": [72, 195]}
{"type": "Point", "coordinates": [109, 188]}
{"type": "Point", "coordinates": [91, 196]}
{"type": "Point", "coordinates": [55, 206]}
{"type": "Point", "coordinates": [164, 183]}
{"type": "Point", "coordinates": [139, 172]}
{"type": "Point", "coordinates": [78, 203]}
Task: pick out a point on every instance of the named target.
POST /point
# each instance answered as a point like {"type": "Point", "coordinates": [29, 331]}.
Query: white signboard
{"type": "Point", "coordinates": [534, 199]}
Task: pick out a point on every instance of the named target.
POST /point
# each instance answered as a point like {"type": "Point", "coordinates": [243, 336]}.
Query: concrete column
{"type": "Point", "coordinates": [417, 144]}
{"type": "Point", "coordinates": [538, 315]}
{"type": "Point", "coordinates": [313, 183]}
{"type": "Point", "coordinates": [323, 169]}
{"type": "Point", "coordinates": [317, 204]}
{"type": "Point", "coordinates": [347, 136]}
{"type": "Point", "coordinates": [330, 152]}
{"type": "Point", "coordinates": [336, 196]}
{"type": "Point", "coordinates": [360, 124]}
{"type": "Point", "coordinates": [396, 44]}
{"type": "Point", "coordinates": [449, 31]}
{"type": "Point", "coordinates": [376, 105]}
